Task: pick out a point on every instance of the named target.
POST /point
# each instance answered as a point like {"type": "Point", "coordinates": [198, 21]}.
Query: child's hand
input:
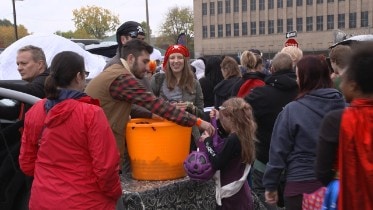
{"type": "Point", "coordinates": [214, 113]}
{"type": "Point", "coordinates": [204, 136]}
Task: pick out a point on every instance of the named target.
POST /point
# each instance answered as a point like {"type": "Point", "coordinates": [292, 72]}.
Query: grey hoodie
{"type": "Point", "coordinates": [295, 135]}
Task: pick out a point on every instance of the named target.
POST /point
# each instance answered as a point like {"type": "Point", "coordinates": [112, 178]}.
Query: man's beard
{"type": "Point", "coordinates": [136, 70]}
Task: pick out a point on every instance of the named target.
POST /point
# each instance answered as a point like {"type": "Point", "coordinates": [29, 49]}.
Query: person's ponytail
{"type": "Point", "coordinates": [50, 88]}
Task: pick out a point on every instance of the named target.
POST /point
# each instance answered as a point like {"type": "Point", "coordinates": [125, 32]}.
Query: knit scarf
{"type": "Point", "coordinates": [69, 94]}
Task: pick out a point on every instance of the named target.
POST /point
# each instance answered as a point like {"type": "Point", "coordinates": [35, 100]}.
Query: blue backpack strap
{"type": "Point", "coordinates": [331, 196]}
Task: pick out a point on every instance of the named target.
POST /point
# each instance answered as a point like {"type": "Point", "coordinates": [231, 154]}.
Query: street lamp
{"type": "Point", "coordinates": [15, 18]}
{"type": "Point", "coordinates": [147, 22]}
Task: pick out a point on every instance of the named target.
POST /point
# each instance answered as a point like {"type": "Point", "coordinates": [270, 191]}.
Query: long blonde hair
{"type": "Point", "coordinates": [240, 114]}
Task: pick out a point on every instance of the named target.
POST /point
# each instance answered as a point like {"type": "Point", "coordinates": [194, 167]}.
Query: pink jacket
{"type": "Point", "coordinates": [74, 159]}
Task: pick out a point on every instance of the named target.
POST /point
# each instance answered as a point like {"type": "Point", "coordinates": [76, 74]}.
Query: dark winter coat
{"type": "Point", "coordinates": [247, 76]}
{"type": "Point", "coordinates": [223, 90]}
{"type": "Point", "coordinates": [267, 102]}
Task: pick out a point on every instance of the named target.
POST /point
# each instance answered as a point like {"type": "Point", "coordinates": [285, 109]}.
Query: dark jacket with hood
{"type": "Point", "coordinates": [295, 135]}
{"type": "Point", "coordinates": [207, 90]}
{"type": "Point", "coordinates": [267, 102]}
{"type": "Point", "coordinates": [223, 90]}
{"type": "Point", "coordinates": [247, 76]}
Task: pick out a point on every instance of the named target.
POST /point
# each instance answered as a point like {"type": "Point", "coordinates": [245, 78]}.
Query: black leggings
{"type": "Point", "coordinates": [293, 202]}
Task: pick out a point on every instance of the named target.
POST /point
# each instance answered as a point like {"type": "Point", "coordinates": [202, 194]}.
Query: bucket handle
{"type": "Point", "coordinates": [150, 127]}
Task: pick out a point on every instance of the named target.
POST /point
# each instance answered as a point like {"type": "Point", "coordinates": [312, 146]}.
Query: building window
{"type": "Point", "coordinates": [271, 4]}
{"type": "Point", "coordinates": [329, 1]}
{"type": "Point", "coordinates": [299, 24]}
{"type": "Point", "coordinates": [299, 3]}
{"type": "Point", "coordinates": [227, 6]}
{"type": "Point", "coordinates": [204, 31]}
{"type": "Point", "coordinates": [309, 25]}
{"type": "Point", "coordinates": [236, 6]}
{"type": "Point", "coordinates": [289, 24]}
{"type": "Point", "coordinates": [280, 26]}
{"type": "Point", "coordinates": [220, 7]}
{"type": "Point", "coordinates": [204, 8]}
{"type": "Point", "coordinates": [252, 5]}
{"type": "Point", "coordinates": [212, 31]}
{"type": "Point", "coordinates": [280, 4]}
{"type": "Point", "coordinates": [220, 30]}
{"type": "Point", "coordinates": [236, 29]}
{"type": "Point", "coordinates": [341, 0]}
{"type": "Point", "coordinates": [244, 5]}
{"type": "Point", "coordinates": [319, 23]}
{"type": "Point", "coordinates": [244, 28]}
{"type": "Point", "coordinates": [262, 26]}
{"type": "Point", "coordinates": [253, 28]}
{"type": "Point", "coordinates": [289, 3]}
{"type": "Point", "coordinates": [271, 26]}
{"type": "Point", "coordinates": [309, 2]}
{"type": "Point", "coordinates": [341, 21]}
{"type": "Point", "coordinates": [261, 5]}
{"type": "Point", "coordinates": [212, 8]}
{"type": "Point", "coordinates": [352, 22]}
{"type": "Point", "coordinates": [330, 22]}
{"type": "Point", "coordinates": [320, 1]}
{"type": "Point", "coordinates": [228, 31]}
{"type": "Point", "coordinates": [364, 19]}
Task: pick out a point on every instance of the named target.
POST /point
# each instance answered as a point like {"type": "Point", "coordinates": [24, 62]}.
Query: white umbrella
{"type": "Point", "coordinates": [51, 45]}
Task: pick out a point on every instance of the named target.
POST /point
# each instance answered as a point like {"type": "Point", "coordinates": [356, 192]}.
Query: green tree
{"type": "Point", "coordinates": [177, 21]}
{"type": "Point", "coordinates": [5, 22]}
{"type": "Point", "coordinates": [96, 21]}
{"type": "Point", "coordinates": [7, 34]}
{"type": "Point", "coordinates": [144, 26]}
{"type": "Point", "coordinates": [78, 34]}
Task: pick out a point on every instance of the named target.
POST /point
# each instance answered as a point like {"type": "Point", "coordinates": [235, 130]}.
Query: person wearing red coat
{"type": "Point", "coordinates": [345, 146]}
{"type": "Point", "coordinates": [68, 146]}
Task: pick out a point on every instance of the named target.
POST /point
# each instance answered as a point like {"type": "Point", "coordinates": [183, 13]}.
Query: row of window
{"type": "Point", "coordinates": [289, 25]}
{"type": "Point", "coordinates": [271, 5]}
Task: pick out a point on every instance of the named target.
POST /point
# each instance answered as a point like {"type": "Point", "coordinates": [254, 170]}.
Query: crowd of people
{"type": "Point", "coordinates": [288, 129]}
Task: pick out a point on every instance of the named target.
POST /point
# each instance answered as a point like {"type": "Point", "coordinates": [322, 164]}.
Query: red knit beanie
{"type": "Point", "coordinates": [175, 49]}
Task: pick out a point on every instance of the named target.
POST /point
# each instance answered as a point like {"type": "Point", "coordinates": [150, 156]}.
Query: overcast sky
{"type": "Point", "coordinates": [49, 16]}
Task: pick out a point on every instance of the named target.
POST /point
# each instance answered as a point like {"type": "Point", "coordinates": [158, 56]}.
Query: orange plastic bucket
{"type": "Point", "coordinates": [157, 149]}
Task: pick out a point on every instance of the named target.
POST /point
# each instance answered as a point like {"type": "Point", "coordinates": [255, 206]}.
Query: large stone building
{"type": "Point", "coordinates": [224, 27]}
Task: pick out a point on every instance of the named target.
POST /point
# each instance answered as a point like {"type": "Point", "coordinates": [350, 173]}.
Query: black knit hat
{"type": "Point", "coordinates": [129, 28]}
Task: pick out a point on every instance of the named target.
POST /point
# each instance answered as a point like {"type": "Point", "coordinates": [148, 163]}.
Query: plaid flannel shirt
{"type": "Point", "coordinates": [127, 88]}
